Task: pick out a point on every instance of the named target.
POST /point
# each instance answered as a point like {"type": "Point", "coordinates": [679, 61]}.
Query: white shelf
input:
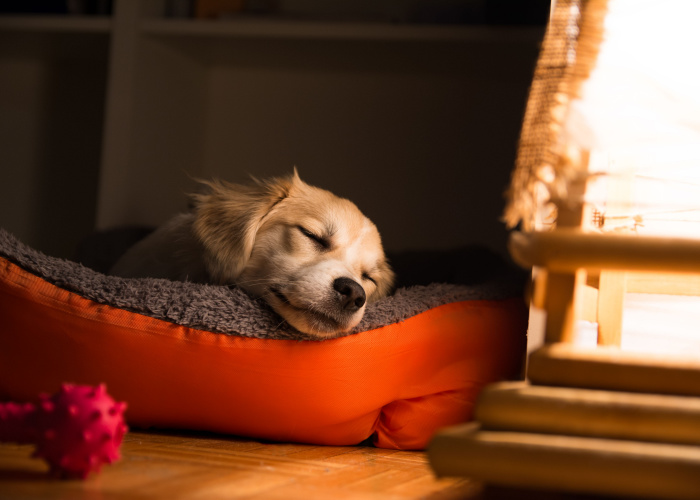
{"type": "Point", "coordinates": [57, 24]}
{"type": "Point", "coordinates": [255, 27]}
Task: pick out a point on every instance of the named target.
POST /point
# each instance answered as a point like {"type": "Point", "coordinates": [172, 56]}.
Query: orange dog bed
{"type": "Point", "coordinates": [179, 365]}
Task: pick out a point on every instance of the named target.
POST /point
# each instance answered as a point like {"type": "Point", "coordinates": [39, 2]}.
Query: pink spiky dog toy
{"type": "Point", "coordinates": [76, 430]}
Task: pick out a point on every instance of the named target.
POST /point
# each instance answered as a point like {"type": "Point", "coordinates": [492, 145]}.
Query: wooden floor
{"type": "Point", "coordinates": [169, 466]}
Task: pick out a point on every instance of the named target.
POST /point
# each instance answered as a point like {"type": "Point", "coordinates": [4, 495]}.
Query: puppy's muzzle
{"type": "Point", "coordinates": [351, 296]}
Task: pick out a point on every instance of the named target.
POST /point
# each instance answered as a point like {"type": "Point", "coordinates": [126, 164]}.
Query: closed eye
{"type": "Point", "coordinates": [319, 240]}
{"type": "Point", "coordinates": [367, 277]}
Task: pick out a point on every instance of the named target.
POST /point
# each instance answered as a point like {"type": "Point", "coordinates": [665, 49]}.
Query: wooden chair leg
{"type": "Point", "coordinates": [563, 303]}
{"type": "Point", "coordinates": [611, 299]}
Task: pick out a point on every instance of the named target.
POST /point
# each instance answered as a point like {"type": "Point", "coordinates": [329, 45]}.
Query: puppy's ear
{"type": "Point", "coordinates": [228, 217]}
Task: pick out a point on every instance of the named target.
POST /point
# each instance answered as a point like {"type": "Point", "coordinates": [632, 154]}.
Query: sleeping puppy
{"type": "Point", "coordinates": [312, 256]}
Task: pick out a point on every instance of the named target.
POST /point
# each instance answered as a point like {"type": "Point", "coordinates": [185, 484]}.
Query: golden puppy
{"type": "Point", "coordinates": [314, 257]}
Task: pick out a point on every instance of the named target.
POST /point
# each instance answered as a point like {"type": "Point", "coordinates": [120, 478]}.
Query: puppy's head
{"type": "Point", "coordinates": [314, 257]}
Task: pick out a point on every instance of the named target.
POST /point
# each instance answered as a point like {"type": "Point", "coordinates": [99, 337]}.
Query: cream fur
{"type": "Point", "coordinates": [292, 244]}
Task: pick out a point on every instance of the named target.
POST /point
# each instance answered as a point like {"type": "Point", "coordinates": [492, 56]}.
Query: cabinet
{"type": "Point", "coordinates": [107, 121]}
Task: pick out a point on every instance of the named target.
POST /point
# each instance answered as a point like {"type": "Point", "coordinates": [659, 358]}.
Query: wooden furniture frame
{"type": "Point", "coordinates": [599, 419]}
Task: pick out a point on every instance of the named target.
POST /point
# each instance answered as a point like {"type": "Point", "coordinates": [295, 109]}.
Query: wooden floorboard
{"type": "Point", "coordinates": [170, 465]}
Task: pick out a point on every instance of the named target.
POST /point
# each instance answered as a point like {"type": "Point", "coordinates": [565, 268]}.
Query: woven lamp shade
{"type": "Point", "coordinates": [615, 105]}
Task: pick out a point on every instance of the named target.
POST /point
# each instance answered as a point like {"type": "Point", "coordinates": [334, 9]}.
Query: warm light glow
{"type": "Point", "coordinates": [654, 324]}
{"type": "Point", "coordinates": [631, 131]}
{"type": "Point", "coordinates": [639, 116]}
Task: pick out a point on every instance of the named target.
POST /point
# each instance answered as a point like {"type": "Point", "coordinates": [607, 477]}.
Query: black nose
{"type": "Point", "coordinates": [350, 294]}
